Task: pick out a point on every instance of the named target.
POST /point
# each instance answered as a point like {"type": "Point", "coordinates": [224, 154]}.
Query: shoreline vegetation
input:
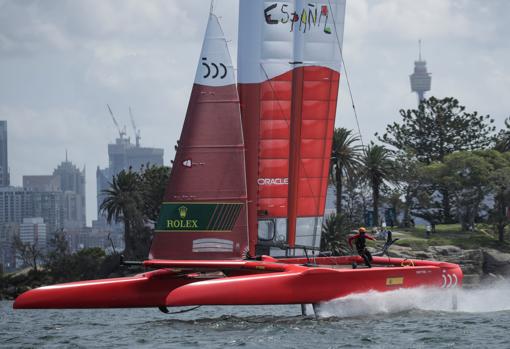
{"type": "Point", "coordinates": [481, 256]}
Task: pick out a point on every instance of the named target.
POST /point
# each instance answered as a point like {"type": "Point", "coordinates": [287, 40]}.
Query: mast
{"type": "Point", "coordinates": [294, 153]}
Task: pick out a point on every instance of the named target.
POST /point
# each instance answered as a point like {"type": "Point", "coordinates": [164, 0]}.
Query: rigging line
{"type": "Point", "coordinates": [346, 76]}
{"type": "Point", "coordinates": [316, 202]}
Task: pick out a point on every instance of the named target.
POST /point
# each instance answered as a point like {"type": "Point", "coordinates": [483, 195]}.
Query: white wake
{"type": "Point", "coordinates": [490, 298]}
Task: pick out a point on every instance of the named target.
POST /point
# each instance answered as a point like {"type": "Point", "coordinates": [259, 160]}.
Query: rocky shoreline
{"type": "Point", "coordinates": [478, 265]}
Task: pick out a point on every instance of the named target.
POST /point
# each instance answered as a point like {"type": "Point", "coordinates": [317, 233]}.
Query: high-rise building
{"type": "Point", "coordinates": [4, 164]}
{"type": "Point", "coordinates": [420, 78]}
{"type": "Point", "coordinates": [8, 232]}
{"type": "Point", "coordinates": [72, 183]}
{"type": "Point", "coordinates": [42, 183]}
{"type": "Point", "coordinates": [124, 155]}
{"type": "Point", "coordinates": [64, 191]}
{"type": "Point", "coordinates": [15, 204]}
{"type": "Point", "coordinates": [19, 203]}
{"type": "Point", "coordinates": [33, 231]}
{"type": "Point", "coordinates": [49, 206]}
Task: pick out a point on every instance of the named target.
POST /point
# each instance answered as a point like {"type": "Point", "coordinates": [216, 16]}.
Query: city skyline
{"type": "Point", "coordinates": [69, 60]}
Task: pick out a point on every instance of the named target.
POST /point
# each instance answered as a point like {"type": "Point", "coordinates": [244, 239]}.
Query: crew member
{"type": "Point", "coordinates": [361, 245]}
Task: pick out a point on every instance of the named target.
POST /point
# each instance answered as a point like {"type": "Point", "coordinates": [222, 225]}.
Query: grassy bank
{"type": "Point", "coordinates": [450, 234]}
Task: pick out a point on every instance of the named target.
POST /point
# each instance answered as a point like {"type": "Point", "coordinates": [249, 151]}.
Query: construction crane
{"type": "Point", "coordinates": [122, 132]}
{"type": "Point", "coordinates": [135, 130]}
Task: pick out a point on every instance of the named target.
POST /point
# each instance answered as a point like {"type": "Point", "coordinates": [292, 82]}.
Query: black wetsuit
{"type": "Point", "coordinates": [361, 247]}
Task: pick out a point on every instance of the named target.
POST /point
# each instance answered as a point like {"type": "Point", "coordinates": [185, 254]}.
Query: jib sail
{"type": "Point", "coordinates": [204, 215]}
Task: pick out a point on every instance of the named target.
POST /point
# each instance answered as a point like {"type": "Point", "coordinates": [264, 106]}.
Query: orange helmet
{"type": "Point", "coordinates": [362, 230]}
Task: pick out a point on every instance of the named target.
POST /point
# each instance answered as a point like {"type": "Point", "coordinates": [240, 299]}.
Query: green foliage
{"type": "Point", "coordinates": [57, 261]}
{"type": "Point", "coordinates": [466, 175]}
{"type": "Point", "coordinates": [503, 138]}
{"type": "Point", "coordinates": [345, 160]}
{"type": "Point", "coordinates": [377, 168]}
{"type": "Point", "coordinates": [82, 265]}
{"type": "Point", "coordinates": [406, 177]}
{"type": "Point", "coordinates": [153, 184]}
{"type": "Point", "coordinates": [439, 127]}
{"type": "Point", "coordinates": [499, 182]}
{"type": "Point", "coordinates": [135, 199]}
{"type": "Point", "coordinates": [335, 231]}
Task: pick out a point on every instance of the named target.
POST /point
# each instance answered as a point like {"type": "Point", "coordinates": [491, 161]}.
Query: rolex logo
{"type": "Point", "coordinates": [183, 211]}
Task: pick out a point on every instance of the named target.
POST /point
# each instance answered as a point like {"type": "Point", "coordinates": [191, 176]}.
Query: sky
{"type": "Point", "coordinates": [62, 61]}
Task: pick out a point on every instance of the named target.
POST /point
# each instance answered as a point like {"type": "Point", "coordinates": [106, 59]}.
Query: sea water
{"type": "Point", "coordinates": [418, 318]}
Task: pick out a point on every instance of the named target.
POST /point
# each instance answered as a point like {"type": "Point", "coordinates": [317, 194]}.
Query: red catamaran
{"type": "Point", "coordinates": [246, 196]}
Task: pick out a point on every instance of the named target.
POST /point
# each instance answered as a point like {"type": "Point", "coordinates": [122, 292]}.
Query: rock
{"type": "Point", "coordinates": [470, 280]}
{"type": "Point", "coordinates": [491, 278]}
{"type": "Point", "coordinates": [10, 290]}
{"type": "Point", "coordinates": [424, 255]}
{"type": "Point", "coordinates": [401, 252]}
{"type": "Point", "coordinates": [470, 261]}
{"type": "Point", "coordinates": [445, 250]}
{"type": "Point", "coordinates": [496, 262]}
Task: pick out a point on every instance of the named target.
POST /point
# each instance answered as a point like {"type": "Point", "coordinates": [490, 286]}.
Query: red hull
{"type": "Point", "coordinates": [271, 281]}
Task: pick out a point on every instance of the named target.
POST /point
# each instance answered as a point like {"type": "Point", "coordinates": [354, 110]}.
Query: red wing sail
{"type": "Point", "coordinates": [204, 211]}
{"type": "Point", "coordinates": [289, 69]}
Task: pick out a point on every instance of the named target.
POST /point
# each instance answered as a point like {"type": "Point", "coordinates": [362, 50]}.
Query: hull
{"type": "Point", "coordinates": [269, 281]}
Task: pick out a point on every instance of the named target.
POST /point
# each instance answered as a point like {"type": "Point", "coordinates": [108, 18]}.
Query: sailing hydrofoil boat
{"type": "Point", "coordinates": [244, 205]}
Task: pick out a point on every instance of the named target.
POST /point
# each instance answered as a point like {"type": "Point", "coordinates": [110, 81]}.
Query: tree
{"type": "Point", "coordinates": [437, 128]}
{"type": "Point", "coordinates": [503, 138]}
{"type": "Point", "coordinates": [408, 183]}
{"type": "Point", "coordinates": [153, 183]}
{"type": "Point", "coordinates": [30, 253]}
{"type": "Point", "coordinates": [392, 196]}
{"type": "Point", "coordinates": [499, 181]}
{"type": "Point", "coordinates": [345, 160]}
{"type": "Point", "coordinates": [466, 174]}
{"type": "Point", "coordinates": [377, 168]}
{"type": "Point", "coordinates": [122, 203]}
{"type": "Point", "coordinates": [357, 196]}
{"type": "Point", "coordinates": [58, 260]}
{"type": "Point", "coordinates": [135, 199]}
{"type": "Point", "coordinates": [86, 264]}
{"type": "Point", "coordinates": [334, 235]}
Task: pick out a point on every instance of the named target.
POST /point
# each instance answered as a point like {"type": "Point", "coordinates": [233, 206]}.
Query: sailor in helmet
{"type": "Point", "coordinates": [361, 245]}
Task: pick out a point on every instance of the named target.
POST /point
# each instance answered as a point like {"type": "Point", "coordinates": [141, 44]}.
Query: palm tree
{"type": "Point", "coordinates": [121, 203]}
{"type": "Point", "coordinates": [377, 168]}
{"type": "Point", "coordinates": [345, 159]}
{"type": "Point", "coordinates": [334, 235]}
